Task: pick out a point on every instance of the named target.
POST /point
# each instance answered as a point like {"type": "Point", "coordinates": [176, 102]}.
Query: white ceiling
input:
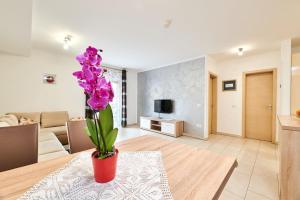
{"type": "Point", "coordinates": [15, 26]}
{"type": "Point", "coordinates": [132, 33]}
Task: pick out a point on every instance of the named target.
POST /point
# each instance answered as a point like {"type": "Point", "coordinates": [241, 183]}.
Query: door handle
{"type": "Point", "coordinates": [269, 106]}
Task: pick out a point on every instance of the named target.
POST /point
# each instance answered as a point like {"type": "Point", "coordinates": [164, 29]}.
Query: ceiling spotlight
{"type": "Point", "coordinates": [168, 23]}
{"type": "Point", "coordinates": [240, 51]}
{"type": "Point", "coordinates": [67, 41]}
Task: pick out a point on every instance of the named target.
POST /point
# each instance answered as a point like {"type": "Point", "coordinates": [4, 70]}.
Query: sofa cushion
{"type": "Point", "coordinates": [35, 116]}
{"type": "Point", "coordinates": [51, 119]}
{"type": "Point", "coordinates": [58, 130]}
{"type": "Point", "coordinates": [52, 155]}
{"type": "Point", "coordinates": [4, 124]}
{"type": "Point", "coordinates": [50, 146]}
{"type": "Point", "coordinates": [26, 121]}
{"type": "Point", "coordinates": [45, 135]}
{"type": "Point", "coordinates": [10, 119]}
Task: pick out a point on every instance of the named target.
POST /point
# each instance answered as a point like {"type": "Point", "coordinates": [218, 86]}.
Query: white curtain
{"type": "Point", "coordinates": [115, 77]}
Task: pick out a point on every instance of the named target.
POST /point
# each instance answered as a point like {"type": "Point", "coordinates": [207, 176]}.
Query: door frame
{"type": "Point", "coordinates": [210, 74]}
{"type": "Point", "coordinates": [274, 108]}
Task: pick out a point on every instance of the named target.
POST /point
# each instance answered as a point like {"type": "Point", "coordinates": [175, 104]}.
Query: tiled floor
{"type": "Point", "coordinates": [255, 178]}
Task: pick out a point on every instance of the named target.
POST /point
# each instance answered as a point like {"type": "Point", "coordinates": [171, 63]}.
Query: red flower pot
{"type": "Point", "coordinates": [105, 169]}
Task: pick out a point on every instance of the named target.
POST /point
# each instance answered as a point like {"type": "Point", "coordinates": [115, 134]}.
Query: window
{"type": "Point", "coordinates": [115, 77]}
{"type": "Point", "coordinates": [117, 103]}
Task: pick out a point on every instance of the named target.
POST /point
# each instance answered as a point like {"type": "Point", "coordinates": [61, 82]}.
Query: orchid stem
{"type": "Point", "coordinates": [102, 136]}
{"type": "Point", "coordinates": [98, 141]}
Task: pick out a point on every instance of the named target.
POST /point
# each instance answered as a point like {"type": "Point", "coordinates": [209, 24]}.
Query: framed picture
{"type": "Point", "coordinates": [229, 85]}
{"type": "Point", "coordinates": [49, 78]}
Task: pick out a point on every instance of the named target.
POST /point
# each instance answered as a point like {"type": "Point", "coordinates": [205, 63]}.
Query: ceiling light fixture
{"type": "Point", "coordinates": [168, 23]}
{"type": "Point", "coordinates": [67, 41]}
{"type": "Point", "coordinates": [240, 52]}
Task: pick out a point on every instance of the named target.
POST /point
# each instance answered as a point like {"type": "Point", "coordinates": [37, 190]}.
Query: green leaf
{"type": "Point", "coordinates": [86, 130]}
{"type": "Point", "coordinates": [101, 137]}
{"type": "Point", "coordinates": [90, 124]}
{"type": "Point", "coordinates": [102, 157]}
{"type": "Point", "coordinates": [110, 139]}
{"type": "Point", "coordinates": [92, 131]}
{"type": "Point", "coordinates": [106, 120]}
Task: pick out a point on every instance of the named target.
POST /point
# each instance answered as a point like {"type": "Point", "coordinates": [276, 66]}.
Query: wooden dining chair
{"type": "Point", "coordinates": [78, 140]}
{"type": "Point", "coordinates": [18, 146]}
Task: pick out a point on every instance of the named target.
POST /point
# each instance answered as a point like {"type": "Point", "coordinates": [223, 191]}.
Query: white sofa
{"type": "Point", "coordinates": [54, 122]}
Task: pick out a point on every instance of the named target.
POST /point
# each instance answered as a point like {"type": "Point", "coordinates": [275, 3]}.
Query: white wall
{"type": "Point", "coordinates": [295, 82]}
{"type": "Point", "coordinates": [22, 88]}
{"type": "Point", "coordinates": [285, 77]}
{"type": "Point", "coordinates": [229, 118]}
{"type": "Point", "coordinates": [131, 97]}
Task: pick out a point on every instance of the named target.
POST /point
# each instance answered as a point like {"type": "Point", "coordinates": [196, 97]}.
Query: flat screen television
{"type": "Point", "coordinates": [163, 106]}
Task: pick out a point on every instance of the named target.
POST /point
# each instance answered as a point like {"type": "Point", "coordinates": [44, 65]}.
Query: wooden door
{"type": "Point", "coordinates": [212, 104]}
{"type": "Point", "coordinates": [259, 105]}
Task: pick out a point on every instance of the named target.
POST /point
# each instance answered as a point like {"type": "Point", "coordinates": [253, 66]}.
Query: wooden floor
{"type": "Point", "coordinates": [256, 176]}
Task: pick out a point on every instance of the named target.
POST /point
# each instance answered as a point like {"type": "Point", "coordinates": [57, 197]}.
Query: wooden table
{"type": "Point", "coordinates": [192, 173]}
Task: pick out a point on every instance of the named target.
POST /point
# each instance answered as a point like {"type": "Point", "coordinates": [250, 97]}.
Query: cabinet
{"type": "Point", "coordinates": [145, 123]}
{"type": "Point", "coordinates": [168, 127]}
{"type": "Point", "coordinates": [289, 158]}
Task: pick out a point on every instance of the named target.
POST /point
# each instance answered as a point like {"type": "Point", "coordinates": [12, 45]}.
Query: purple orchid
{"type": "Point", "coordinates": [91, 79]}
{"type": "Point", "coordinates": [91, 51]}
{"type": "Point", "coordinates": [97, 103]}
{"type": "Point", "coordinates": [100, 93]}
{"type": "Point", "coordinates": [89, 57]}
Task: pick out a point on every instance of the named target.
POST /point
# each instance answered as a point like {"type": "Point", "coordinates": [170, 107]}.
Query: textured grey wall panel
{"type": "Point", "coordinates": [184, 84]}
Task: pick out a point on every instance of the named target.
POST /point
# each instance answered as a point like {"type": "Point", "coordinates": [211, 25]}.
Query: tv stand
{"type": "Point", "coordinates": [168, 127]}
{"type": "Point", "coordinates": [159, 117]}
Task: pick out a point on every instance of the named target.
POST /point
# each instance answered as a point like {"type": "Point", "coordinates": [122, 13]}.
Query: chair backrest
{"type": "Point", "coordinates": [52, 119]}
{"type": "Point", "coordinates": [18, 146]}
{"type": "Point", "coordinates": [78, 139]}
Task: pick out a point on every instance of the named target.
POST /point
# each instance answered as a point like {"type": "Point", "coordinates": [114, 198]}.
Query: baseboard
{"type": "Point", "coordinates": [134, 125]}
{"type": "Point", "coordinates": [194, 136]}
{"type": "Point", "coordinates": [229, 134]}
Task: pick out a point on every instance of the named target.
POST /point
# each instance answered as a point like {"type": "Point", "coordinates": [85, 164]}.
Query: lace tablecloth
{"type": "Point", "coordinates": [140, 175]}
